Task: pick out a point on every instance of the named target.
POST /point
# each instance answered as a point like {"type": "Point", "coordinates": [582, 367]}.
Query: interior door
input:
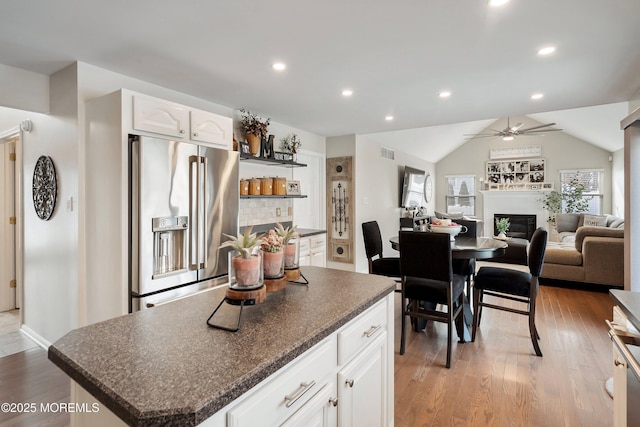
{"type": "Point", "coordinates": [7, 227]}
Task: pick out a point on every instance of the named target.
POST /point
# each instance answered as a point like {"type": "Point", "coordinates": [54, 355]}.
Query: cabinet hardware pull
{"type": "Point", "coordinates": [333, 401]}
{"type": "Point", "coordinates": [349, 383]}
{"type": "Point", "coordinates": [181, 130]}
{"type": "Point", "coordinates": [195, 134]}
{"type": "Point", "coordinates": [618, 363]}
{"type": "Point", "coordinates": [372, 330]}
{"type": "Point", "coordinates": [292, 398]}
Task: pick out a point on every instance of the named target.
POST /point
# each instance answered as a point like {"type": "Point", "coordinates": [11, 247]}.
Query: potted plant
{"type": "Point", "coordinates": [502, 225]}
{"type": "Point", "coordinates": [273, 256]}
{"type": "Point", "coordinates": [291, 245]}
{"type": "Point", "coordinates": [255, 129]}
{"type": "Point", "coordinates": [570, 200]}
{"type": "Point", "coordinates": [291, 143]}
{"type": "Point", "coordinates": [245, 262]}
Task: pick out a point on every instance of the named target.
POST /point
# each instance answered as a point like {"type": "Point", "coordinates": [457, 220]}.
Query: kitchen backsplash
{"type": "Point", "coordinates": [264, 210]}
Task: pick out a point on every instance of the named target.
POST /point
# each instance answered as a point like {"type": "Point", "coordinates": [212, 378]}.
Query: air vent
{"type": "Point", "coordinates": [387, 153]}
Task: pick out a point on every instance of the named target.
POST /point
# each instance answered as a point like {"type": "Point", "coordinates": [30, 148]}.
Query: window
{"type": "Point", "coordinates": [461, 194]}
{"type": "Point", "coordinates": [592, 181]}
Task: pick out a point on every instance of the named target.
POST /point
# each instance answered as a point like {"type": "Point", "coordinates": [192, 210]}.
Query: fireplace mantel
{"type": "Point", "coordinates": [513, 202]}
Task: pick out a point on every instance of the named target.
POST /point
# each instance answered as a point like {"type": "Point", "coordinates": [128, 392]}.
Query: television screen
{"type": "Point", "coordinates": [412, 188]}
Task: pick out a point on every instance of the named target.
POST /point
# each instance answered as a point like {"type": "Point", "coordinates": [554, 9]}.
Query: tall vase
{"type": "Point", "coordinates": [254, 143]}
{"type": "Point", "coordinates": [273, 264]}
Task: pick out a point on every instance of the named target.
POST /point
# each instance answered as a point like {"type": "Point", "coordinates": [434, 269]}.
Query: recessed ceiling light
{"type": "Point", "coordinates": [546, 50]}
{"type": "Point", "coordinates": [537, 96]}
{"type": "Point", "coordinates": [388, 118]}
{"type": "Point", "coordinates": [347, 92]}
{"type": "Point", "coordinates": [444, 94]}
{"type": "Point", "coordinates": [279, 66]}
{"type": "Point", "coordinates": [494, 3]}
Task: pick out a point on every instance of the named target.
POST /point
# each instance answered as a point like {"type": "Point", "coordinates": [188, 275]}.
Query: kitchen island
{"type": "Point", "coordinates": [328, 344]}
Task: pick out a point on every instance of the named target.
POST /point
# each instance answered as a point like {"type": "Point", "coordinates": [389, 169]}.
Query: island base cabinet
{"type": "Point", "coordinates": [362, 387]}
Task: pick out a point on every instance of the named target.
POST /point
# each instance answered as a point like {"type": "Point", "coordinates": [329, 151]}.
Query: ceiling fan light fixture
{"type": "Point", "coordinates": [508, 138]}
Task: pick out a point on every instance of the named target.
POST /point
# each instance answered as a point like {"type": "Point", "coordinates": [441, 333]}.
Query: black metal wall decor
{"type": "Point", "coordinates": [339, 201]}
{"type": "Point", "coordinates": [45, 187]}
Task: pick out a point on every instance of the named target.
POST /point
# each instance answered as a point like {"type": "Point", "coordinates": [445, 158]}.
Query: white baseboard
{"type": "Point", "coordinates": [45, 344]}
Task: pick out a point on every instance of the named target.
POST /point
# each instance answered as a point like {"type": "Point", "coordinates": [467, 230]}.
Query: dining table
{"type": "Point", "coordinates": [465, 247]}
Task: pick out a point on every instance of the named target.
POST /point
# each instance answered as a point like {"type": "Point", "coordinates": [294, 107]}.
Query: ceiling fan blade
{"type": "Point", "coordinates": [540, 131]}
{"type": "Point", "coordinates": [516, 127]}
{"type": "Point", "coordinates": [537, 127]}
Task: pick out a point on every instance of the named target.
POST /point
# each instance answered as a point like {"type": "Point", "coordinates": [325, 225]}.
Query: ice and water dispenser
{"type": "Point", "coordinates": [169, 245]}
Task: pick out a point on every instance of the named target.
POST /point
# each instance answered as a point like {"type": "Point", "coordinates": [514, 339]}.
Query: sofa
{"type": "Point", "coordinates": [589, 249]}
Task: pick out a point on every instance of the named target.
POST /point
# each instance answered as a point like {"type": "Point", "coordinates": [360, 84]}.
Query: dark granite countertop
{"type": "Point", "coordinates": [629, 303]}
{"type": "Point", "coordinates": [166, 366]}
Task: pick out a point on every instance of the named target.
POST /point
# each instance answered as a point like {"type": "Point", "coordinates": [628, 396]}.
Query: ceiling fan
{"type": "Point", "coordinates": [510, 132]}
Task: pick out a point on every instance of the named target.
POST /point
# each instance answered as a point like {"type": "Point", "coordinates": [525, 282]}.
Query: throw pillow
{"type": "Point", "coordinates": [594, 221]}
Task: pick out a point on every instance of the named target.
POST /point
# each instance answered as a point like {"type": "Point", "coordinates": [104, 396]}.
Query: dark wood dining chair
{"type": "Point", "coordinates": [427, 276]}
{"type": "Point", "coordinates": [513, 285]}
{"type": "Point", "coordinates": [378, 263]}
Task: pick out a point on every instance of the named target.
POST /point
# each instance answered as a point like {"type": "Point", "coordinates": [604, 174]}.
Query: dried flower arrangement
{"type": "Point", "coordinates": [290, 143]}
{"type": "Point", "coordinates": [254, 125]}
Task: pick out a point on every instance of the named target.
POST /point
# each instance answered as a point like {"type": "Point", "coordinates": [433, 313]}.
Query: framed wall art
{"type": "Point", "coordinates": [515, 172]}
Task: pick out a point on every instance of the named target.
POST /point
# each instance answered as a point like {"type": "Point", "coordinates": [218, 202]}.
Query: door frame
{"type": "Point", "coordinates": [16, 133]}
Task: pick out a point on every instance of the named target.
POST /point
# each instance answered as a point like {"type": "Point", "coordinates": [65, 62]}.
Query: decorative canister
{"type": "Point", "coordinates": [254, 186]}
{"type": "Point", "coordinates": [279, 186]}
{"type": "Point", "coordinates": [244, 187]}
{"type": "Point", "coordinates": [266, 188]}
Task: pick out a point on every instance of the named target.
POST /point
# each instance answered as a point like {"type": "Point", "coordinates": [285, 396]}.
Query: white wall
{"type": "Point", "coordinates": [617, 183]}
{"type": "Point", "coordinates": [377, 186]}
{"type": "Point", "coordinates": [24, 90]}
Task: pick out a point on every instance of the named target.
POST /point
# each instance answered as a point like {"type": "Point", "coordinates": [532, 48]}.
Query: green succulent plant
{"type": "Point", "coordinates": [244, 243]}
{"type": "Point", "coordinates": [286, 233]}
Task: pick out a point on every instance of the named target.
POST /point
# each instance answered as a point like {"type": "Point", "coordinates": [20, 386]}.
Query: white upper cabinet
{"type": "Point", "coordinates": [178, 121]}
{"type": "Point", "coordinates": [158, 116]}
{"type": "Point", "coordinates": [210, 127]}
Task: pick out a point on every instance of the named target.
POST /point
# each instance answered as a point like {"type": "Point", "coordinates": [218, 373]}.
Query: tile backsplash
{"type": "Point", "coordinates": [264, 210]}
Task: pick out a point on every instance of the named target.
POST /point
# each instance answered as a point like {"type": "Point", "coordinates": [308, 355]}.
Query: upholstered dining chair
{"type": "Point", "coordinates": [466, 267]}
{"type": "Point", "coordinates": [512, 285]}
{"type": "Point", "coordinates": [378, 264]}
{"type": "Point", "coordinates": [427, 276]}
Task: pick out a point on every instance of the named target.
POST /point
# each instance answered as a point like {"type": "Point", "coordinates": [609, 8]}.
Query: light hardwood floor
{"type": "Point", "coordinates": [499, 381]}
{"type": "Point", "coordinates": [496, 381]}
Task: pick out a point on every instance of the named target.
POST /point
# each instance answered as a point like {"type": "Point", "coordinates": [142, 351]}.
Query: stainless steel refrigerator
{"type": "Point", "coordinates": [183, 196]}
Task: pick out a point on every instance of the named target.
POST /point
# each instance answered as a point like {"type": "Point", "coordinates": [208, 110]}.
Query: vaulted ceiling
{"type": "Point", "coordinates": [396, 57]}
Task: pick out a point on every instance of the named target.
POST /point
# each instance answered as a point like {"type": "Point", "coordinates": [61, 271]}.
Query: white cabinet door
{"type": "Point", "coordinates": [317, 412]}
{"type": "Point", "coordinates": [159, 116]}
{"type": "Point", "coordinates": [318, 250]}
{"type": "Point", "coordinates": [362, 387]}
{"type": "Point", "coordinates": [210, 127]}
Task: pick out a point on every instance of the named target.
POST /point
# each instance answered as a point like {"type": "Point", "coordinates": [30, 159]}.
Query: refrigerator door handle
{"type": "Point", "coordinates": [194, 196]}
{"type": "Point", "coordinates": [205, 235]}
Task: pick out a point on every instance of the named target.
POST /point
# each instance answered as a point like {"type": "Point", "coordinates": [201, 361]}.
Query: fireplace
{"type": "Point", "coordinates": [522, 226]}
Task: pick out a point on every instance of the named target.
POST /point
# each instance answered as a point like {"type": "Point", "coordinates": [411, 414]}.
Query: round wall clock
{"type": "Point", "coordinates": [428, 188]}
{"type": "Point", "coordinates": [44, 187]}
